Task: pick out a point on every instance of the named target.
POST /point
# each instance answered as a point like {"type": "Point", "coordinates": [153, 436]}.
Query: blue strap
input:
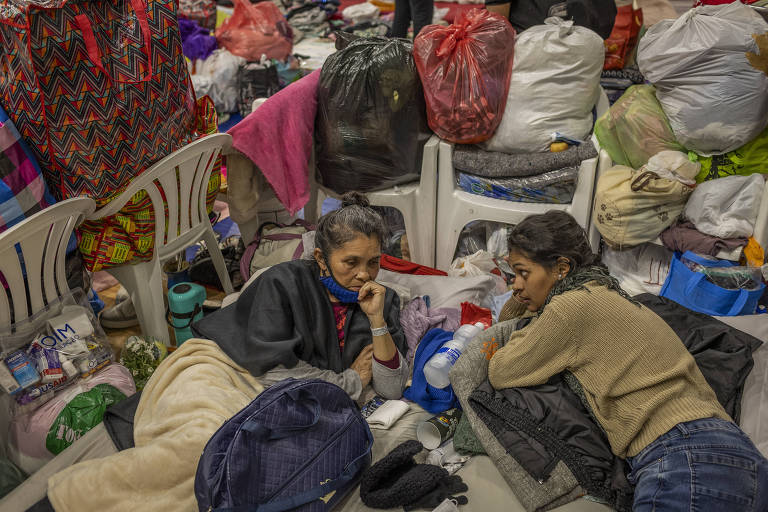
{"type": "Point", "coordinates": [291, 502]}
{"type": "Point", "coordinates": [300, 396]}
{"type": "Point", "coordinates": [739, 303]}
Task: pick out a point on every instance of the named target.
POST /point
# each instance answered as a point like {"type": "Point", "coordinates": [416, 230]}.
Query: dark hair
{"type": "Point", "coordinates": [546, 237]}
{"type": "Point", "coordinates": [354, 218]}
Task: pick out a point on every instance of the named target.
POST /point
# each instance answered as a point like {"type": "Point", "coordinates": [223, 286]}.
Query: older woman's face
{"type": "Point", "coordinates": [533, 281]}
{"type": "Point", "coordinates": [355, 262]}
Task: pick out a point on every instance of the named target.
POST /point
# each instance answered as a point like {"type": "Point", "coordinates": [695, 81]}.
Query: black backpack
{"type": "Point", "coordinates": [597, 15]}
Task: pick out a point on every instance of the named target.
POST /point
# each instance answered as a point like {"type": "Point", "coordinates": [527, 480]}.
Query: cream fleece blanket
{"type": "Point", "coordinates": [191, 394]}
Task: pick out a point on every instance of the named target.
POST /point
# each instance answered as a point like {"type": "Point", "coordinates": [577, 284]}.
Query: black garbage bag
{"type": "Point", "coordinates": [597, 15]}
{"type": "Point", "coordinates": [371, 123]}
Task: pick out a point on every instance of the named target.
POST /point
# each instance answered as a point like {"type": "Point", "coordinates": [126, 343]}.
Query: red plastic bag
{"type": "Point", "coordinates": [621, 43]}
{"type": "Point", "coordinates": [254, 30]}
{"type": "Point", "coordinates": [465, 69]}
{"type": "Point", "coordinates": [472, 313]}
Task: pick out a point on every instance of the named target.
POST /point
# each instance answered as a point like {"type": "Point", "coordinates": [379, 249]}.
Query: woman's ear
{"type": "Point", "coordinates": [563, 267]}
{"type": "Point", "coordinates": [320, 259]}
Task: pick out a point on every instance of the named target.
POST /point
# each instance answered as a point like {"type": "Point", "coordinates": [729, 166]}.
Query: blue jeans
{"type": "Point", "coordinates": [700, 465]}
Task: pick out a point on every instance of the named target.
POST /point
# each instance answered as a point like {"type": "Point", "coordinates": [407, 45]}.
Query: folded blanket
{"type": "Point", "coordinates": [683, 236]}
{"type": "Point", "coordinates": [190, 395]}
{"type": "Point", "coordinates": [492, 164]}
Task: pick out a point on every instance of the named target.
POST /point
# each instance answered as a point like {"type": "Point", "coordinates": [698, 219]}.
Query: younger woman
{"type": "Point", "coordinates": [642, 384]}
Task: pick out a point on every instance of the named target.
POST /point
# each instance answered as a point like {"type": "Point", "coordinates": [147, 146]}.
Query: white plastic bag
{"type": "Point", "coordinates": [642, 269]}
{"type": "Point", "coordinates": [674, 165]}
{"type": "Point", "coordinates": [726, 207]}
{"type": "Point", "coordinates": [704, 68]}
{"type": "Point", "coordinates": [217, 77]}
{"type": "Point", "coordinates": [555, 84]}
{"type": "Point", "coordinates": [478, 264]}
{"type": "Point", "coordinates": [359, 13]}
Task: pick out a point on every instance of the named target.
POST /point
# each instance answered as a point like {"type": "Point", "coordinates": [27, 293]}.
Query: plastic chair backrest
{"type": "Point", "coordinates": [182, 177]}
{"type": "Point", "coordinates": [32, 255]}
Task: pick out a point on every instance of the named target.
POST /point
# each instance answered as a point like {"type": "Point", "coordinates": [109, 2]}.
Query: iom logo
{"type": "Point", "coordinates": [60, 338]}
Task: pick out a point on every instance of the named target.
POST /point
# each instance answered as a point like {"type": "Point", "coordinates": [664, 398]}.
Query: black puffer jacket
{"type": "Point", "coordinates": [542, 425]}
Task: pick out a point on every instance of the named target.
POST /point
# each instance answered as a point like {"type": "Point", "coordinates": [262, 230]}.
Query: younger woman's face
{"type": "Point", "coordinates": [533, 281]}
{"type": "Point", "coordinates": [355, 262]}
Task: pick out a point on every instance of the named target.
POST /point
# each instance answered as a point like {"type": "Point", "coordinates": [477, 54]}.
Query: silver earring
{"type": "Point", "coordinates": [560, 276]}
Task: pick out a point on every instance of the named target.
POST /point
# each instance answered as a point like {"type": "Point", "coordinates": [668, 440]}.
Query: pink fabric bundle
{"type": "Point", "coordinates": [278, 136]}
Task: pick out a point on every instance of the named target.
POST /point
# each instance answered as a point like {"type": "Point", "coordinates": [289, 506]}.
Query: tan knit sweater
{"type": "Point", "coordinates": [637, 375]}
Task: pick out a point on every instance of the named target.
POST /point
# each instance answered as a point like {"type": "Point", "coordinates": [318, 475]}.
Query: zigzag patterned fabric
{"type": "Point", "coordinates": [129, 235]}
{"type": "Point", "coordinates": [78, 84]}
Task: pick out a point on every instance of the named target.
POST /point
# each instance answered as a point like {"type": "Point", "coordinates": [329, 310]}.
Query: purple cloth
{"type": "Point", "coordinates": [416, 319]}
{"type": "Point", "coordinates": [196, 41]}
{"type": "Point", "coordinates": [684, 236]}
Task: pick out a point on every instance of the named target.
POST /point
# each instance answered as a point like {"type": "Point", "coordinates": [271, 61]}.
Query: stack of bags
{"type": "Point", "coordinates": [536, 96]}
{"type": "Point", "coordinates": [690, 151]}
{"type": "Point", "coordinates": [61, 374]}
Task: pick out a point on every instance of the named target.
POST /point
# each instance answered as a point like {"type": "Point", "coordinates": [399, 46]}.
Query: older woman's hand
{"type": "Point", "coordinates": [371, 300]}
{"type": "Point", "coordinates": [363, 365]}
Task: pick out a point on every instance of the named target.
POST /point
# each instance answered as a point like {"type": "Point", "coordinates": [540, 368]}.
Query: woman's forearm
{"type": "Point", "coordinates": [384, 348]}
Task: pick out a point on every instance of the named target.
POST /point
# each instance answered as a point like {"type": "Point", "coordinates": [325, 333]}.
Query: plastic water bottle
{"type": "Point", "coordinates": [439, 366]}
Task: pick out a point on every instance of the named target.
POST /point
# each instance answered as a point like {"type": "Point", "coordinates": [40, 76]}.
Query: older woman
{"type": "Point", "coordinates": [326, 318]}
{"type": "Point", "coordinates": [643, 386]}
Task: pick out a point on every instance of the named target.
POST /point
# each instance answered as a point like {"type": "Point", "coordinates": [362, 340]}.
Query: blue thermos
{"type": "Point", "coordinates": [185, 304]}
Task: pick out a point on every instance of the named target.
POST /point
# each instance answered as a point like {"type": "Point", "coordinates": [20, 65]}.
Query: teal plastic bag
{"type": "Point", "coordinates": [635, 128]}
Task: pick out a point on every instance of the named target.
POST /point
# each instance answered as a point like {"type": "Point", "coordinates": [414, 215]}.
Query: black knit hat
{"type": "Point", "coordinates": [397, 479]}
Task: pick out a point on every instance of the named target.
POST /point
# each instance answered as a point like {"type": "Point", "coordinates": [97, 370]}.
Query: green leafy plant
{"type": "Point", "coordinates": [141, 356]}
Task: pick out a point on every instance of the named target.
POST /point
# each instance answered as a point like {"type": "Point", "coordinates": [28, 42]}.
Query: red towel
{"type": "Point", "coordinates": [277, 138]}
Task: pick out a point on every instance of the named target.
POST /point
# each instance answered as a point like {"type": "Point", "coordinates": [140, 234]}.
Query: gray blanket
{"type": "Point", "coordinates": [492, 164]}
{"type": "Point", "coordinates": [468, 373]}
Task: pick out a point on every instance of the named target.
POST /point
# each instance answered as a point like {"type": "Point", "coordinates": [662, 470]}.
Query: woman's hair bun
{"type": "Point", "coordinates": [354, 198]}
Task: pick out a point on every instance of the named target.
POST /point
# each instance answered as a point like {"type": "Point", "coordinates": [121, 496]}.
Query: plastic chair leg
{"type": "Point", "coordinates": [218, 260]}
{"type": "Point", "coordinates": [144, 283]}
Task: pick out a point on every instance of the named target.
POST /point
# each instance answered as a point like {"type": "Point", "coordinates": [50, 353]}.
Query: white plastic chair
{"type": "Point", "coordinates": [416, 201]}
{"type": "Point", "coordinates": [186, 220]}
{"type": "Point", "coordinates": [43, 240]}
{"type": "Point", "coordinates": [457, 208]}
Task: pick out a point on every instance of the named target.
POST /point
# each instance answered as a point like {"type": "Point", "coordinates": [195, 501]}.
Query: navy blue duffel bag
{"type": "Point", "coordinates": [300, 445]}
